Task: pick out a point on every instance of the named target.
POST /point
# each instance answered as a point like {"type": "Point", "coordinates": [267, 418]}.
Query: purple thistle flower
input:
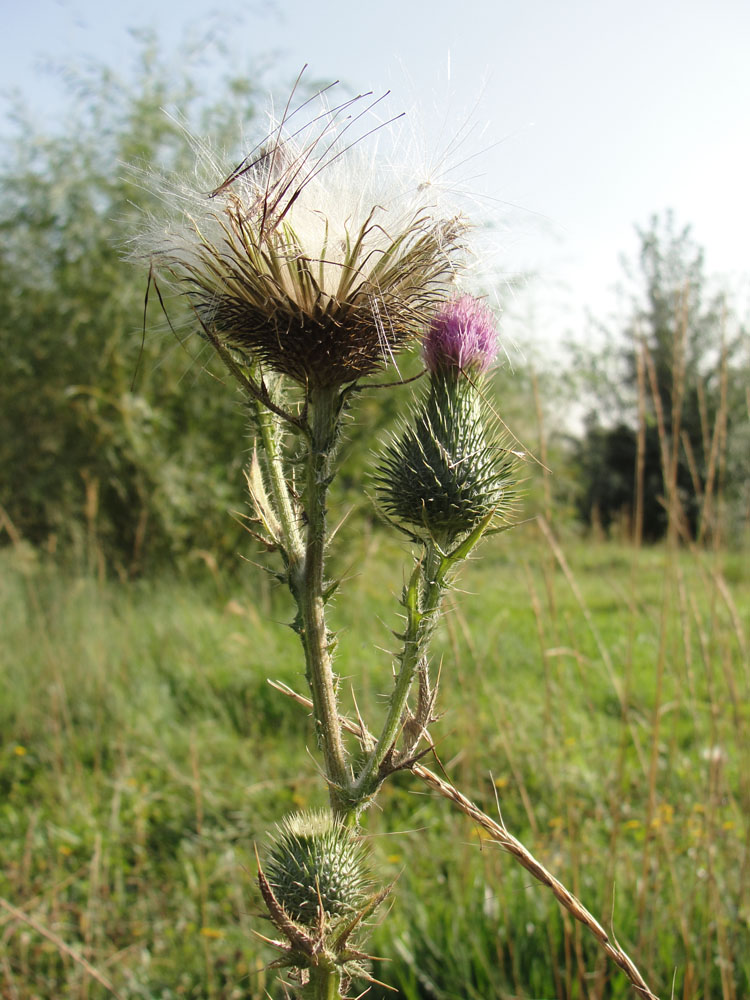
{"type": "Point", "coordinates": [462, 335]}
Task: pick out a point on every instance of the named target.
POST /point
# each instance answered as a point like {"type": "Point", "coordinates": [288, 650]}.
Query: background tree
{"type": "Point", "coordinates": [104, 454]}
{"type": "Point", "coordinates": [677, 363]}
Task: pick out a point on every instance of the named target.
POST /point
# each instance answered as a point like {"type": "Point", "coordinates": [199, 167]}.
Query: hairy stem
{"type": "Point", "coordinates": [325, 984]}
{"type": "Point", "coordinates": [422, 598]}
{"type": "Point", "coordinates": [308, 585]}
{"type": "Point", "coordinates": [271, 452]}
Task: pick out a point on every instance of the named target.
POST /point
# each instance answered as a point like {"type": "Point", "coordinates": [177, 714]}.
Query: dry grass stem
{"type": "Point", "coordinates": [509, 843]}
{"type": "Point", "coordinates": [62, 947]}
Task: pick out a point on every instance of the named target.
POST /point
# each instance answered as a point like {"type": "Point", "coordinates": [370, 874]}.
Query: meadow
{"type": "Point", "coordinates": [597, 694]}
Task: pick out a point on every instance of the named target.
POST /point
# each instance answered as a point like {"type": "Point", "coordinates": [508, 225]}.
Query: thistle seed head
{"type": "Point", "coordinates": [308, 257]}
{"type": "Point", "coordinates": [315, 860]}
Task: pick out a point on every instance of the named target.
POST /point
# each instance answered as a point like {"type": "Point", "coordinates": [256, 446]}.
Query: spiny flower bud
{"type": "Point", "coordinates": [316, 860]}
{"type": "Point", "coordinates": [443, 475]}
{"type": "Point", "coordinates": [462, 335]}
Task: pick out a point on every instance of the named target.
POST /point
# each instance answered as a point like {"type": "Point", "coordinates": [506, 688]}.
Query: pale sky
{"type": "Point", "coordinates": [587, 116]}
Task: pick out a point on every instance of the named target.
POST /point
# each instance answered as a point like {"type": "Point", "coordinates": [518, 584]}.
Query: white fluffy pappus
{"type": "Point", "coordinates": [313, 256]}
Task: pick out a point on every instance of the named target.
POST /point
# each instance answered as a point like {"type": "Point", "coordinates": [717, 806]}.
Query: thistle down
{"type": "Point", "coordinates": [304, 258]}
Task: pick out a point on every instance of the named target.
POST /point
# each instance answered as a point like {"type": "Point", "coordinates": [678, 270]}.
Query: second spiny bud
{"type": "Point", "coordinates": [315, 861]}
{"type": "Point", "coordinates": [444, 473]}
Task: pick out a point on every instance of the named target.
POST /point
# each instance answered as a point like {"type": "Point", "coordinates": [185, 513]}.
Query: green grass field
{"type": "Point", "coordinates": [600, 693]}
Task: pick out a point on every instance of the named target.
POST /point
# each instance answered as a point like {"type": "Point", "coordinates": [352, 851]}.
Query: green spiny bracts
{"type": "Point", "coordinates": [317, 861]}
{"type": "Point", "coordinates": [319, 896]}
{"type": "Point", "coordinates": [444, 474]}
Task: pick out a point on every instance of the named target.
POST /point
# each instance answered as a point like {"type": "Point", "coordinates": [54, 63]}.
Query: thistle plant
{"type": "Point", "coordinates": [308, 271]}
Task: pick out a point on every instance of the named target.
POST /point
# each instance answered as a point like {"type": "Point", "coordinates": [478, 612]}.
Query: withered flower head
{"type": "Point", "coordinates": [310, 257]}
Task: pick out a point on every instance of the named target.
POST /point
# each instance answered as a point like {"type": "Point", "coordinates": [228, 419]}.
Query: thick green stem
{"type": "Point", "coordinates": [308, 585]}
{"type": "Point", "coordinates": [325, 984]}
{"type": "Point", "coordinates": [422, 601]}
